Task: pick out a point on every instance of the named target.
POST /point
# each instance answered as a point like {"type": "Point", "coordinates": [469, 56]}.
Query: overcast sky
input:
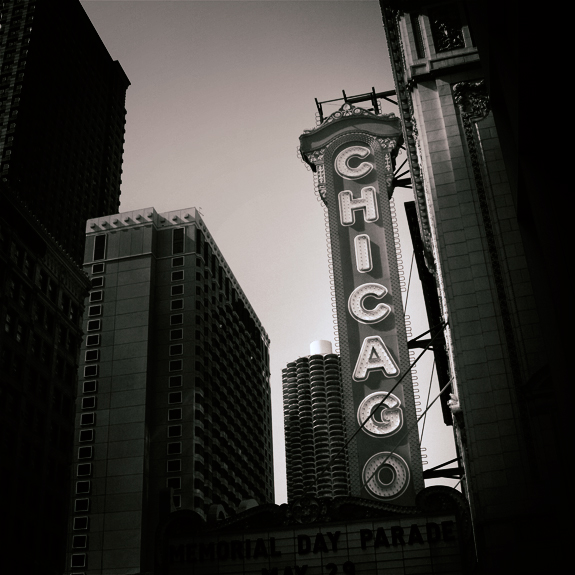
{"type": "Point", "coordinates": [220, 93]}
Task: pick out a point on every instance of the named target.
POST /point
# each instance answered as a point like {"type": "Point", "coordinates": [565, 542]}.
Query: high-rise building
{"type": "Point", "coordinates": [314, 425]}
{"type": "Point", "coordinates": [490, 239]}
{"type": "Point", "coordinates": [62, 116]}
{"type": "Point", "coordinates": [42, 295]}
{"type": "Point", "coordinates": [173, 407]}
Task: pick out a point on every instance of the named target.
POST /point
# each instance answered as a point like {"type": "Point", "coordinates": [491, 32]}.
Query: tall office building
{"type": "Point", "coordinates": [314, 425]}
{"type": "Point", "coordinates": [62, 116]}
{"type": "Point", "coordinates": [483, 233]}
{"type": "Point", "coordinates": [42, 295]}
{"type": "Point", "coordinates": [173, 407]}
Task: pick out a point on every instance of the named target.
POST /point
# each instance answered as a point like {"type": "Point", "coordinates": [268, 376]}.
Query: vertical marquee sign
{"type": "Point", "coordinates": [352, 153]}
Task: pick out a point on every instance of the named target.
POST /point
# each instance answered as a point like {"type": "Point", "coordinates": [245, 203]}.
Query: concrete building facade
{"type": "Point", "coordinates": [472, 224]}
{"type": "Point", "coordinates": [173, 407]}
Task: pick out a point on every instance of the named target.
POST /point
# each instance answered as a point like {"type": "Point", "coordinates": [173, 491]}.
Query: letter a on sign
{"type": "Point", "coordinates": [374, 355]}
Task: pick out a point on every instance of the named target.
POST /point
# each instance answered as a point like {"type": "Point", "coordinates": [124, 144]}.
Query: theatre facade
{"type": "Point", "coordinates": [345, 535]}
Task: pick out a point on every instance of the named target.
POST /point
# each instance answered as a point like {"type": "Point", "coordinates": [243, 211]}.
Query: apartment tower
{"type": "Point", "coordinates": [316, 460]}
{"type": "Point", "coordinates": [173, 409]}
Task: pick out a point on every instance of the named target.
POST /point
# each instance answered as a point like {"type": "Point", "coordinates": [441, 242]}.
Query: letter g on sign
{"type": "Point", "coordinates": [343, 168]}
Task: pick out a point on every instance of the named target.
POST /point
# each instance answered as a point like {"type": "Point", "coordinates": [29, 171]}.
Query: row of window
{"type": "Point", "coordinates": [87, 419]}
{"type": "Point", "coordinates": [175, 397]}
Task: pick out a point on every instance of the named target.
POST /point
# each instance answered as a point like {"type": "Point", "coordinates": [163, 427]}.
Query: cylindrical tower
{"type": "Point", "coordinates": [314, 425]}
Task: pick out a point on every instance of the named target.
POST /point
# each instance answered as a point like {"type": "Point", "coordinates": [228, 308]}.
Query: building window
{"type": "Point", "coordinates": [174, 466]}
{"type": "Point", "coordinates": [91, 370]}
{"type": "Point", "coordinates": [85, 452]}
{"type": "Point", "coordinates": [96, 296]}
{"type": "Point", "coordinates": [176, 334]}
{"type": "Point", "coordinates": [177, 290]}
{"type": "Point", "coordinates": [176, 319]}
{"type": "Point", "coordinates": [78, 560]}
{"type": "Point", "coordinates": [86, 435]}
{"type": "Point", "coordinates": [89, 386]}
{"type": "Point", "coordinates": [177, 262]}
{"type": "Point", "coordinates": [93, 340]}
{"type": "Point", "coordinates": [177, 499]}
{"type": "Point", "coordinates": [175, 448]}
{"type": "Point", "coordinates": [82, 505]}
{"type": "Point", "coordinates": [178, 276]}
{"type": "Point", "coordinates": [8, 323]}
{"type": "Point", "coordinates": [175, 381]}
{"type": "Point", "coordinates": [178, 241]}
{"type": "Point", "coordinates": [176, 349]}
{"type": "Point", "coordinates": [92, 355]}
{"type": "Point", "coordinates": [97, 282]}
{"type": "Point", "coordinates": [175, 397]}
{"type": "Point", "coordinates": [84, 470]}
{"type": "Point", "coordinates": [174, 414]}
{"type": "Point", "coordinates": [94, 325]}
{"type": "Point", "coordinates": [174, 430]}
{"type": "Point", "coordinates": [81, 523]}
{"type": "Point", "coordinates": [83, 487]}
{"type": "Point", "coordinates": [176, 365]}
{"type": "Point", "coordinates": [174, 482]}
{"type": "Point", "coordinates": [79, 542]}
{"type": "Point", "coordinates": [89, 402]}
{"type": "Point", "coordinates": [446, 27]}
{"type": "Point", "coordinates": [100, 247]}
{"type": "Point", "coordinates": [94, 310]}
{"type": "Point", "coordinates": [176, 304]}
{"type": "Point", "coordinates": [417, 36]}
{"type": "Point", "coordinates": [87, 419]}
{"type": "Point", "coordinates": [98, 268]}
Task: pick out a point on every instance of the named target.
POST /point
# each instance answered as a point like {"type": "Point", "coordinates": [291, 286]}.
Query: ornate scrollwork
{"type": "Point", "coordinates": [315, 157]}
{"type": "Point", "coordinates": [472, 99]}
{"type": "Point", "coordinates": [307, 509]}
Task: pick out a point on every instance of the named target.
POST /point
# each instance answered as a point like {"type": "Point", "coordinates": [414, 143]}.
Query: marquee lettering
{"type": "Point", "coordinates": [380, 420]}
{"type": "Point", "coordinates": [356, 303]}
{"type": "Point", "coordinates": [367, 203]}
{"type": "Point", "coordinates": [353, 161]}
{"type": "Point", "coordinates": [363, 260]}
{"type": "Point", "coordinates": [374, 355]}
{"type": "Point", "coordinates": [343, 168]}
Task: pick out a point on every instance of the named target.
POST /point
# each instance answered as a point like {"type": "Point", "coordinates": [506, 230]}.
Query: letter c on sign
{"type": "Point", "coordinates": [358, 310]}
{"type": "Point", "coordinates": [343, 168]}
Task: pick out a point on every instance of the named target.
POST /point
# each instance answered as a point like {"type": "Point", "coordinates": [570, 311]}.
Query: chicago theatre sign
{"type": "Point", "coordinates": [390, 523]}
{"type": "Point", "coordinates": [353, 153]}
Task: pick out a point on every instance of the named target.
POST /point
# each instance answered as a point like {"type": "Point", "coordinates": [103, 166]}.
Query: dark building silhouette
{"type": "Point", "coordinates": [41, 303]}
{"type": "Point", "coordinates": [494, 242]}
{"type": "Point", "coordinates": [173, 409]}
{"type": "Point", "coordinates": [62, 116]}
{"type": "Point", "coordinates": [314, 425]}
{"type": "Point", "coordinates": [62, 122]}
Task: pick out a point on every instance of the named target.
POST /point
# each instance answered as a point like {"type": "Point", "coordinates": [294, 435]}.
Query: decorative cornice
{"type": "Point", "coordinates": [346, 111]}
{"type": "Point", "coordinates": [309, 510]}
{"type": "Point", "coordinates": [390, 22]}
